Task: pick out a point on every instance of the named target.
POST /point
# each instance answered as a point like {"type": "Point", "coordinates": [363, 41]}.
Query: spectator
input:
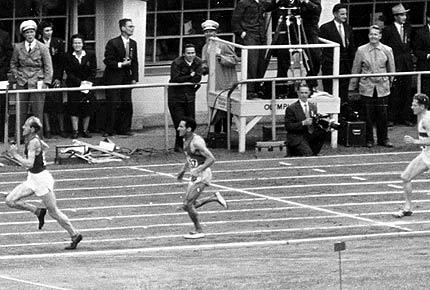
{"type": "Point", "coordinates": [54, 107]}
{"type": "Point", "coordinates": [303, 138]}
{"type": "Point", "coordinates": [5, 55]}
{"type": "Point", "coordinates": [338, 31]}
{"type": "Point", "coordinates": [398, 36]}
{"type": "Point", "coordinates": [31, 65]}
{"type": "Point", "coordinates": [374, 57]}
{"type": "Point", "coordinates": [182, 99]}
{"type": "Point", "coordinates": [122, 68]}
{"type": "Point", "coordinates": [422, 52]}
{"type": "Point", "coordinates": [81, 68]}
{"type": "Point", "coordinates": [225, 67]}
{"type": "Point", "coordinates": [249, 25]}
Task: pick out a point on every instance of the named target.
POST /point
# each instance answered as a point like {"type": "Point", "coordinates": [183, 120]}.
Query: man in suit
{"type": "Point", "coordinates": [422, 52]}
{"type": "Point", "coordinates": [121, 69]}
{"type": "Point", "coordinates": [338, 31]}
{"type": "Point", "coordinates": [31, 66]}
{"type": "Point", "coordinates": [54, 107]}
{"type": "Point", "coordinates": [398, 36]}
{"type": "Point", "coordinates": [5, 55]}
{"type": "Point", "coordinates": [303, 138]}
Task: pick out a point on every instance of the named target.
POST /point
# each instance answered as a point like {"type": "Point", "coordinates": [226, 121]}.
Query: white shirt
{"type": "Point", "coordinates": [304, 105]}
{"type": "Point", "coordinates": [79, 58]}
{"type": "Point", "coordinates": [30, 45]}
{"type": "Point", "coordinates": [400, 29]}
{"type": "Point", "coordinates": [47, 42]}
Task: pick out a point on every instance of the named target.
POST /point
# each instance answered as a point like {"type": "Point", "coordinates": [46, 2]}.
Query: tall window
{"type": "Point", "coordinates": [59, 12]}
{"type": "Point", "coordinates": [363, 13]}
{"type": "Point", "coordinates": [173, 23]}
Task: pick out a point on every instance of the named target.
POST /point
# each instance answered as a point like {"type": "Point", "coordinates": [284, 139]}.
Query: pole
{"type": "Point", "coordinates": [340, 271]}
{"type": "Point", "coordinates": [166, 119]}
{"type": "Point", "coordinates": [6, 117]}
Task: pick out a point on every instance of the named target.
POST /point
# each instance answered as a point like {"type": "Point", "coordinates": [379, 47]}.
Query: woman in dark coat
{"type": "Point", "coordinates": [81, 68]}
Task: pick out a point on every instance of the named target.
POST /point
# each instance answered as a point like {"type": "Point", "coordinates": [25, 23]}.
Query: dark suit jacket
{"type": "Point", "coordinates": [115, 53]}
{"type": "Point", "coordinates": [6, 49]}
{"type": "Point", "coordinates": [294, 115]}
{"type": "Point", "coordinates": [249, 17]}
{"type": "Point", "coordinates": [310, 13]}
{"type": "Point", "coordinates": [422, 48]}
{"type": "Point", "coordinates": [329, 31]}
{"type": "Point", "coordinates": [180, 72]}
{"type": "Point", "coordinates": [56, 50]}
{"type": "Point", "coordinates": [402, 51]}
{"type": "Point", "coordinates": [77, 72]}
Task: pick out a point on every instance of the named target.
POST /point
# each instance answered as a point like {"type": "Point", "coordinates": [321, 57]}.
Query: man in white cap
{"type": "Point", "coordinates": [397, 35]}
{"type": "Point", "coordinates": [31, 66]}
{"type": "Point", "coordinates": [225, 66]}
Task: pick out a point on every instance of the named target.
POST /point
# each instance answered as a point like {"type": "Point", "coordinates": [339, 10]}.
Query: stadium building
{"type": "Point", "coordinates": [162, 27]}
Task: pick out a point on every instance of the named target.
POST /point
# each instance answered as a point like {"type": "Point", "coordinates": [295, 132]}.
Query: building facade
{"type": "Point", "coordinates": [164, 26]}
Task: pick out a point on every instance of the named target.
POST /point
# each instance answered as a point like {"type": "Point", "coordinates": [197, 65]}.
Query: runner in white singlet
{"type": "Point", "coordinates": [421, 163]}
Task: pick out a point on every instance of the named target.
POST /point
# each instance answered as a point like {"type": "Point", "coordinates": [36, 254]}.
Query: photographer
{"type": "Point", "coordinates": [304, 138]}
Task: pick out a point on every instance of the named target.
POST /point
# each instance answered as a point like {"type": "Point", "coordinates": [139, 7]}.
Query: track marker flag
{"type": "Point", "coordinates": [339, 247]}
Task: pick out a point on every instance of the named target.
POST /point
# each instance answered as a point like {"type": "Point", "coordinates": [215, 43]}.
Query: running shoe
{"type": "Point", "coordinates": [75, 241]}
{"type": "Point", "coordinates": [194, 235]}
{"type": "Point", "coordinates": [221, 199]}
{"type": "Point", "coordinates": [402, 213]}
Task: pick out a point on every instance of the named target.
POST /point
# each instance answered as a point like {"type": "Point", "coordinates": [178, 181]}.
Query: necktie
{"type": "Point", "coordinates": [402, 33]}
{"type": "Point", "coordinates": [29, 49]}
{"type": "Point", "coordinates": [342, 34]}
{"type": "Point", "coordinates": [127, 50]}
{"type": "Point", "coordinates": [306, 110]}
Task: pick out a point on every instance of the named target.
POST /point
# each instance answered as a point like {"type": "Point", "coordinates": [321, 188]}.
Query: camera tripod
{"type": "Point", "coordinates": [295, 62]}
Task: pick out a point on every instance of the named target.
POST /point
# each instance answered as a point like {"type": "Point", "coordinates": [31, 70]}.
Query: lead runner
{"type": "Point", "coordinates": [39, 181]}
{"type": "Point", "coordinates": [421, 163]}
{"type": "Point", "coordinates": [199, 159]}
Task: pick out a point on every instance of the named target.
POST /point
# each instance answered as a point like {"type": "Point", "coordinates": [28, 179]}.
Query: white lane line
{"type": "Point", "coordinates": [358, 178]}
{"type": "Point", "coordinates": [222, 222]}
{"type": "Point", "coordinates": [7, 277]}
{"type": "Point", "coordinates": [315, 208]}
{"type": "Point", "coordinates": [319, 170]}
{"type": "Point", "coordinates": [323, 165]}
{"type": "Point", "coordinates": [282, 163]}
{"type": "Point", "coordinates": [89, 178]}
{"type": "Point", "coordinates": [216, 212]}
{"type": "Point", "coordinates": [395, 186]}
{"type": "Point", "coordinates": [215, 246]}
{"type": "Point", "coordinates": [181, 236]}
{"type": "Point", "coordinates": [241, 200]}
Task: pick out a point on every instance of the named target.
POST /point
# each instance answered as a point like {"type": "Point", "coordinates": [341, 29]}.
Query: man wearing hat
{"type": "Point", "coordinates": [422, 52]}
{"type": "Point", "coordinates": [225, 66]}
{"type": "Point", "coordinates": [31, 66]}
{"type": "Point", "coordinates": [398, 36]}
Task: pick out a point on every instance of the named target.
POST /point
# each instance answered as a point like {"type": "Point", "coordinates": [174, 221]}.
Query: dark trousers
{"type": "Point", "coordinates": [399, 104]}
{"type": "Point", "coordinates": [119, 111]}
{"type": "Point", "coordinates": [31, 104]}
{"type": "Point", "coordinates": [255, 61]}
{"type": "Point", "coordinates": [425, 85]}
{"type": "Point", "coordinates": [178, 110]}
{"type": "Point", "coordinates": [375, 111]}
{"type": "Point", "coordinates": [344, 68]}
{"type": "Point", "coordinates": [310, 145]}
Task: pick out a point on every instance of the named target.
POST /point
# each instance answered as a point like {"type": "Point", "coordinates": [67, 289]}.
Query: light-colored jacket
{"type": "Point", "coordinates": [31, 67]}
{"type": "Point", "coordinates": [225, 64]}
{"type": "Point", "coordinates": [370, 59]}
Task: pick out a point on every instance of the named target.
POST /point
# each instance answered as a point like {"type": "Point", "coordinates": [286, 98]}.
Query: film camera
{"type": "Point", "coordinates": [292, 5]}
{"type": "Point", "coordinates": [324, 122]}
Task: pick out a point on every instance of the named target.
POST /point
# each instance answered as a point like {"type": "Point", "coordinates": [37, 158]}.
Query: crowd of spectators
{"type": "Point", "coordinates": [40, 61]}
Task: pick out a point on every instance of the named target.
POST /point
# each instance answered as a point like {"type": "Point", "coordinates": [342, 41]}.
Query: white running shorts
{"type": "Point", "coordinates": [41, 183]}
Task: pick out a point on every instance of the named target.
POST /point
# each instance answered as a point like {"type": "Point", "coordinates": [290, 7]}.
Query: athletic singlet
{"type": "Point", "coordinates": [39, 160]}
{"type": "Point", "coordinates": [195, 158]}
